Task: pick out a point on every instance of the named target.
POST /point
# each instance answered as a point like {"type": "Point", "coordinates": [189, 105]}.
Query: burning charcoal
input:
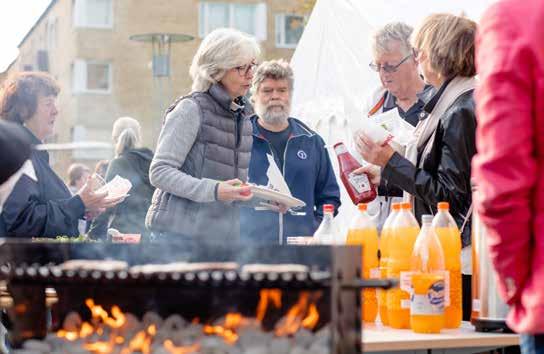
{"type": "Point", "coordinates": [174, 323]}
{"type": "Point", "coordinates": [213, 345]}
{"type": "Point", "coordinates": [72, 322]}
{"type": "Point", "coordinates": [300, 350]}
{"type": "Point", "coordinates": [279, 346]}
{"type": "Point", "coordinates": [257, 350]}
{"type": "Point", "coordinates": [131, 326]}
{"type": "Point", "coordinates": [304, 338]}
{"type": "Point", "coordinates": [251, 337]}
{"type": "Point", "coordinates": [37, 345]}
{"type": "Point", "coordinates": [152, 318]}
{"type": "Point", "coordinates": [188, 335]}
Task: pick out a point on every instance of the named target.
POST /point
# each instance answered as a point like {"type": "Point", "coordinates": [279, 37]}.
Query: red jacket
{"type": "Point", "coordinates": [509, 166]}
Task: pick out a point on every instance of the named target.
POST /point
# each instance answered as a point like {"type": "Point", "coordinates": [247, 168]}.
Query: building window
{"type": "Point", "coordinates": [92, 77]}
{"type": "Point", "coordinates": [289, 29]}
{"type": "Point", "coordinates": [93, 13]}
{"type": "Point", "coordinates": [249, 18]}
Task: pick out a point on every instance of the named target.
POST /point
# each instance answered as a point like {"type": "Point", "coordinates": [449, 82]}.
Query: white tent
{"type": "Point", "coordinates": [331, 60]}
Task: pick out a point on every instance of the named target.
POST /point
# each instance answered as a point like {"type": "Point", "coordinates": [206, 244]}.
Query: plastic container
{"type": "Point", "coordinates": [363, 232]}
{"type": "Point", "coordinates": [450, 238]}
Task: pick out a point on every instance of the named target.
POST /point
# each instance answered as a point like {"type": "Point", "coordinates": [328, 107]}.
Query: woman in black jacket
{"type": "Point", "coordinates": [40, 203]}
{"type": "Point", "coordinates": [437, 166]}
{"type": "Point", "coordinates": [131, 162]}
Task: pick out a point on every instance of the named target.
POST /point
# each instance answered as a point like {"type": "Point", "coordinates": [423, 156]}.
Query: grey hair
{"type": "Point", "coordinates": [273, 69]}
{"type": "Point", "coordinates": [221, 50]}
{"type": "Point", "coordinates": [126, 134]}
{"type": "Point", "coordinates": [391, 32]}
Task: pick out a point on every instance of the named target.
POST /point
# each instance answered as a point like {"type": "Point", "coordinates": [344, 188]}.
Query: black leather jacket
{"type": "Point", "coordinates": [445, 175]}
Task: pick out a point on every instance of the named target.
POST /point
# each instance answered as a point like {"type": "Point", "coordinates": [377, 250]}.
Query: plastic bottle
{"type": "Point", "coordinates": [385, 236]}
{"type": "Point", "coordinates": [450, 238]}
{"type": "Point", "coordinates": [428, 297]}
{"type": "Point", "coordinates": [401, 243]}
{"type": "Point", "coordinates": [359, 188]}
{"type": "Point", "coordinates": [326, 233]}
{"type": "Point", "coordinates": [362, 231]}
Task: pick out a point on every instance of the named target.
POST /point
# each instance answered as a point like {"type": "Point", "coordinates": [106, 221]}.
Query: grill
{"type": "Point", "coordinates": [29, 268]}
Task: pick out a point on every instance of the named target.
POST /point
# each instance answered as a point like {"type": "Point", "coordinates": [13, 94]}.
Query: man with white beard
{"type": "Point", "coordinates": [299, 153]}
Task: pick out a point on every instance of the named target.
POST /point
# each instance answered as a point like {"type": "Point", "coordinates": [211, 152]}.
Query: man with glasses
{"type": "Point", "coordinates": [402, 87]}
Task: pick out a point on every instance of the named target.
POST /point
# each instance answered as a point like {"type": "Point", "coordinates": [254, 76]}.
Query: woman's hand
{"type": "Point", "coordinates": [233, 190]}
{"type": "Point", "coordinates": [370, 151]}
{"type": "Point", "coordinates": [96, 203]}
{"type": "Point", "coordinates": [373, 172]}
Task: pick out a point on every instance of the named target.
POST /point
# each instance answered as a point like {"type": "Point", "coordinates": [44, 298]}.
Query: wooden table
{"type": "Point", "coordinates": [464, 340]}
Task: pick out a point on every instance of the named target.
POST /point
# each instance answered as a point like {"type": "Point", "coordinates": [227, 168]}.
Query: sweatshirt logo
{"type": "Point", "coordinates": [302, 155]}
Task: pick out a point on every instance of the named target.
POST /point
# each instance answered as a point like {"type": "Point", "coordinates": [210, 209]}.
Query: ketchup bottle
{"type": "Point", "coordinates": [359, 188]}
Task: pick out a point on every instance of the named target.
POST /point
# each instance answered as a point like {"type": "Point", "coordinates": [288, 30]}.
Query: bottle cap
{"type": "Point", "coordinates": [443, 206]}
{"type": "Point", "coordinates": [328, 208]}
{"type": "Point", "coordinates": [406, 206]}
{"type": "Point", "coordinates": [395, 206]}
{"type": "Point", "coordinates": [362, 206]}
{"type": "Point", "coordinates": [426, 219]}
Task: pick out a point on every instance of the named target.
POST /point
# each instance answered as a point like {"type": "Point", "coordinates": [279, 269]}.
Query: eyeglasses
{"type": "Point", "coordinates": [245, 69]}
{"type": "Point", "coordinates": [388, 68]}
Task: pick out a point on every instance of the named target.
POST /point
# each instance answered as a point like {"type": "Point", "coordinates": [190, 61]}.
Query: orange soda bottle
{"type": "Point", "coordinates": [450, 238]}
{"type": "Point", "coordinates": [362, 231]}
{"type": "Point", "coordinates": [400, 245]}
{"type": "Point", "coordinates": [428, 296]}
{"type": "Point", "coordinates": [387, 230]}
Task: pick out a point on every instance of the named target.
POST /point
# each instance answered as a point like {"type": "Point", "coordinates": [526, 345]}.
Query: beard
{"type": "Point", "coordinates": [271, 114]}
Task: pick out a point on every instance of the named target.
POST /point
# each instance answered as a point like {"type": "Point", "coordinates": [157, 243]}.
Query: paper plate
{"type": "Point", "coordinates": [274, 196]}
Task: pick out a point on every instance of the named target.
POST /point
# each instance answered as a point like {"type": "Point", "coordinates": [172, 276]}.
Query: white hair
{"type": "Point", "coordinates": [392, 32]}
{"type": "Point", "coordinates": [126, 134]}
{"type": "Point", "coordinates": [221, 50]}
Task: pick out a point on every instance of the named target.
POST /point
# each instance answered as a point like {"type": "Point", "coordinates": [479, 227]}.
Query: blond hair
{"type": "Point", "coordinates": [221, 50]}
{"type": "Point", "coordinates": [273, 69]}
{"type": "Point", "coordinates": [126, 134]}
{"type": "Point", "coordinates": [448, 42]}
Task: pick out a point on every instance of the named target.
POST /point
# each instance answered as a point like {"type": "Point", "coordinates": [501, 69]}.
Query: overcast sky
{"type": "Point", "coordinates": [16, 18]}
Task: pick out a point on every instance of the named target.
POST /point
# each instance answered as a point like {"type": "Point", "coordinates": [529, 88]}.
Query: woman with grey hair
{"type": "Point", "coordinates": [132, 162]}
{"type": "Point", "coordinates": [203, 151]}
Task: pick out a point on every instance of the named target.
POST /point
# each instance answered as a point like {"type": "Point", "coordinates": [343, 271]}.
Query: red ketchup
{"type": "Point", "coordinates": [359, 188]}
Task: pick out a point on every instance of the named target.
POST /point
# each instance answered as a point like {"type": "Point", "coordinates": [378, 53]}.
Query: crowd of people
{"type": "Point", "coordinates": [216, 139]}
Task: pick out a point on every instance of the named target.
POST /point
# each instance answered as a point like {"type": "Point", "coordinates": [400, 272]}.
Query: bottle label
{"type": "Point", "coordinates": [431, 302]}
{"type": "Point", "coordinates": [359, 182]}
{"type": "Point", "coordinates": [406, 281]}
{"type": "Point", "coordinates": [375, 273]}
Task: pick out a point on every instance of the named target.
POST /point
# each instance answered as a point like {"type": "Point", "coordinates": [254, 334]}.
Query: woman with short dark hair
{"type": "Point", "coordinates": [41, 204]}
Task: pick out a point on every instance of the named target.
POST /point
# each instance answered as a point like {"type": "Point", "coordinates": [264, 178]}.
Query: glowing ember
{"type": "Point", "coordinates": [169, 345]}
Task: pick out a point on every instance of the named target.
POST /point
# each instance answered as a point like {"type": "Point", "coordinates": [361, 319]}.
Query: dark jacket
{"type": "Point", "coordinates": [42, 208]}
{"type": "Point", "coordinates": [128, 216]}
{"type": "Point", "coordinates": [205, 139]}
{"type": "Point", "coordinates": [309, 174]}
{"type": "Point", "coordinates": [14, 149]}
{"type": "Point", "coordinates": [445, 175]}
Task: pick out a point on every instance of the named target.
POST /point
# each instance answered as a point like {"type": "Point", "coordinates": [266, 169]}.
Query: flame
{"type": "Point", "coordinates": [140, 343]}
{"type": "Point", "coordinates": [86, 330]}
{"type": "Point", "coordinates": [99, 347]}
{"type": "Point", "coordinates": [312, 318]}
{"type": "Point", "coordinates": [267, 295]}
{"type": "Point", "coordinates": [290, 324]}
{"type": "Point", "coordinates": [172, 349]}
{"type": "Point", "coordinates": [227, 330]}
{"type": "Point", "coordinates": [71, 336]}
{"type": "Point", "coordinates": [152, 330]}
{"type": "Point", "coordinates": [118, 319]}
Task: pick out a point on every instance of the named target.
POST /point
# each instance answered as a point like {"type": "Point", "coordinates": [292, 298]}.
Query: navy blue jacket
{"type": "Point", "coordinates": [309, 174]}
{"type": "Point", "coordinates": [45, 208]}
